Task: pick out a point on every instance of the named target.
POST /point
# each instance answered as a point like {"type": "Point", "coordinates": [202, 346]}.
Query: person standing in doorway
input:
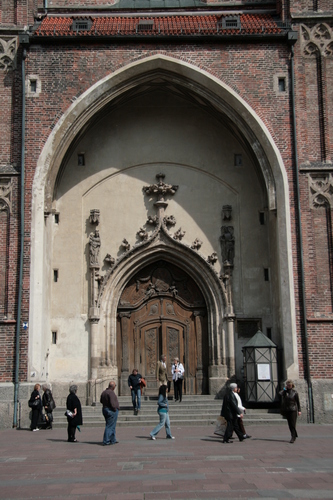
{"type": "Point", "coordinates": [134, 383]}
{"type": "Point", "coordinates": [230, 412]}
{"type": "Point", "coordinates": [110, 410]}
{"type": "Point", "coordinates": [161, 371]}
{"type": "Point", "coordinates": [177, 371]}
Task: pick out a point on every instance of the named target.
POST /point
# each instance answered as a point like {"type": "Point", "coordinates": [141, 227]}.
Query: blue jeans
{"type": "Point", "coordinates": [110, 425]}
{"type": "Point", "coordinates": [136, 395]}
{"type": "Point", "coordinates": [164, 421]}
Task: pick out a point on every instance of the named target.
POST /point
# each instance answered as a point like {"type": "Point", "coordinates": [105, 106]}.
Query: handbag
{"type": "Point", "coordinates": [69, 414]}
{"type": "Point", "coordinates": [34, 404]}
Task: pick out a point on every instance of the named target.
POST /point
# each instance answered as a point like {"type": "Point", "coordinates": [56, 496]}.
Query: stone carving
{"type": "Point", "coordinates": [321, 189]}
{"type": "Point", "coordinates": [94, 216]}
{"type": "Point", "coordinates": [227, 212]}
{"type": "Point", "coordinates": [170, 309]}
{"type": "Point", "coordinates": [212, 258]}
{"type": "Point", "coordinates": [110, 260]}
{"type": "Point", "coordinates": [125, 245]}
{"type": "Point", "coordinates": [151, 290]}
{"type": "Point", "coordinates": [153, 310]}
{"type": "Point", "coordinates": [227, 240]}
{"type": "Point", "coordinates": [317, 40]}
{"type": "Point", "coordinates": [170, 220]}
{"type": "Point", "coordinates": [160, 189]}
{"type": "Point", "coordinates": [179, 235]}
{"type": "Point", "coordinates": [6, 187]}
{"type": "Point", "coordinates": [197, 244]}
{"type": "Point", "coordinates": [8, 49]}
{"type": "Point", "coordinates": [94, 248]}
{"type": "Point", "coordinates": [150, 344]}
{"type": "Point", "coordinates": [142, 233]}
{"type": "Point", "coordinates": [153, 220]}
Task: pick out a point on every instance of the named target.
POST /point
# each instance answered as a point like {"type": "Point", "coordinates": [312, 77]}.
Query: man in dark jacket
{"type": "Point", "coordinates": [134, 381]}
{"type": "Point", "coordinates": [110, 404]}
{"type": "Point", "coordinates": [230, 412]}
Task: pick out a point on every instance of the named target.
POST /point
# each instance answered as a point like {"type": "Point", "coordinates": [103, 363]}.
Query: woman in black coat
{"type": "Point", "coordinates": [290, 407]}
{"type": "Point", "coordinates": [49, 405]}
{"type": "Point", "coordinates": [74, 407]}
{"type": "Point", "coordinates": [35, 403]}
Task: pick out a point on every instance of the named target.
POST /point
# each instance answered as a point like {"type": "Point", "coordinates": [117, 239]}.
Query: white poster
{"type": "Point", "coordinates": [264, 371]}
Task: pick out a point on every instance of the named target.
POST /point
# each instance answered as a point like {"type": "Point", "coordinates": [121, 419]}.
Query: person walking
{"type": "Point", "coordinates": [35, 403]}
{"type": "Point", "coordinates": [74, 413]}
{"type": "Point", "coordinates": [49, 405]}
{"type": "Point", "coordinates": [110, 410]}
{"type": "Point", "coordinates": [134, 383]}
{"type": "Point", "coordinates": [230, 412]}
{"type": "Point", "coordinates": [161, 371]}
{"type": "Point", "coordinates": [243, 410]}
{"type": "Point", "coordinates": [290, 407]}
{"type": "Point", "coordinates": [163, 412]}
{"type": "Point", "coordinates": [177, 371]}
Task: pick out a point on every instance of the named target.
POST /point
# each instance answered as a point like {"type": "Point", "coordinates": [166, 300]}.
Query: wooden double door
{"type": "Point", "coordinates": [164, 321]}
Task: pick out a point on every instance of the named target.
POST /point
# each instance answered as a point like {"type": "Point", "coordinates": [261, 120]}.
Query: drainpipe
{"type": "Point", "coordinates": [19, 300]}
{"type": "Point", "coordinates": [292, 38]}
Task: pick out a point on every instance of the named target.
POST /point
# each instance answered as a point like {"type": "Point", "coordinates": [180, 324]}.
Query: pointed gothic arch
{"type": "Point", "coordinates": [79, 116]}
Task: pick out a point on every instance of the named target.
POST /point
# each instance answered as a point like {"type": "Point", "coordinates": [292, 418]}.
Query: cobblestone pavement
{"type": "Point", "coordinates": [196, 465]}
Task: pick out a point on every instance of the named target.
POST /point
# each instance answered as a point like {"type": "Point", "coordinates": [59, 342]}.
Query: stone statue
{"type": "Point", "coordinates": [228, 244]}
{"type": "Point", "coordinates": [94, 247]}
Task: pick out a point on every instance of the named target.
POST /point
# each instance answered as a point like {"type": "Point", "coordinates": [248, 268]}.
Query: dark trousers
{"type": "Point", "coordinates": [241, 426]}
{"type": "Point", "coordinates": [233, 425]}
{"type": "Point", "coordinates": [71, 429]}
{"type": "Point", "coordinates": [291, 419]}
{"type": "Point", "coordinates": [34, 419]}
{"type": "Point", "coordinates": [178, 387]}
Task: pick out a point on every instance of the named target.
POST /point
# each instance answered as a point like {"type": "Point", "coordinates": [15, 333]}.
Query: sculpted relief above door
{"type": "Point", "coordinates": [162, 311]}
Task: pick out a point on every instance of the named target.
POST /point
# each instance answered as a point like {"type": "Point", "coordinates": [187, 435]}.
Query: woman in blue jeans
{"type": "Point", "coordinates": [163, 411]}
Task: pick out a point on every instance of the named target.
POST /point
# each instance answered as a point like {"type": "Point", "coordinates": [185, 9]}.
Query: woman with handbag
{"type": "Point", "coordinates": [35, 403]}
{"type": "Point", "coordinates": [73, 413]}
{"type": "Point", "coordinates": [49, 405]}
{"type": "Point", "coordinates": [290, 407]}
{"type": "Point", "coordinates": [177, 371]}
{"type": "Point", "coordinates": [163, 411]}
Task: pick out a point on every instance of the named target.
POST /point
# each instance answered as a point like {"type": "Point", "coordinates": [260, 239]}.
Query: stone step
{"type": "Point", "coordinates": [192, 411]}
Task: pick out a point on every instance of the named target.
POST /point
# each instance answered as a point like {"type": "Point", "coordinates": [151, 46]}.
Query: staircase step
{"type": "Point", "coordinates": [192, 411]}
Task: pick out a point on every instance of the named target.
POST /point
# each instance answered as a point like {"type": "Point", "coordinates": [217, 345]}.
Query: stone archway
{"type": "Point", "coordinates": [162, 310]}
{"type": "Point", "coordinates": [77, 118]}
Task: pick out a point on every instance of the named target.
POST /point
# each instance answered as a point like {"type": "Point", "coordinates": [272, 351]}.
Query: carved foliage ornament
{"type": "Point", "coordinates": [8, 49]}
{"type": "Point", "coordinates": [317, 40]}
{"type": "Point", "coordinates": [6, 194]}
{"type": "Point", "coordinates": [321, 189]}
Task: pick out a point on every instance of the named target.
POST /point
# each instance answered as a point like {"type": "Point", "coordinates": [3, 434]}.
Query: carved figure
{"type": "Point", "coordinates": [227, 212]}
{"type": "Point", "coordinates": [94, 216]}
{"type": "Point", "coordinates": [228, 244]}
{"type": "Point", "coordinates": [151, 290]}
{"type": "Point", "coordinates": [94, 247]}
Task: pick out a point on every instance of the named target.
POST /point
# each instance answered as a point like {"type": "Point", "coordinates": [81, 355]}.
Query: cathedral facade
{"type": "Point", "coordinates": [165, 188]}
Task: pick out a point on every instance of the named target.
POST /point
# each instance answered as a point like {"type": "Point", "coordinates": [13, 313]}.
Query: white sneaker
{"type": "Point", "coordinates": [153, 438]}
{"type": "Point", "coordinates": [170, 437]}
{"type": "Point", "coordinates": [33, 430]}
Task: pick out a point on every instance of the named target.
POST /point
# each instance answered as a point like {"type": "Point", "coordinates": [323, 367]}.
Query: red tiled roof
{"type": "Point", "coordinates": [162, 25]}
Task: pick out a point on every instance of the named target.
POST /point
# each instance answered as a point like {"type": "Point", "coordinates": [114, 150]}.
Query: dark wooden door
{"type": "Point", "coordinates": [159, 317]}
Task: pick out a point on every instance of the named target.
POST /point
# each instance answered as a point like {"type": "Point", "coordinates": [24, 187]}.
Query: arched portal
{"type": "Point", "coordinates": [162, 310]}
{"type": "Point", "coordinates": [124, 155]}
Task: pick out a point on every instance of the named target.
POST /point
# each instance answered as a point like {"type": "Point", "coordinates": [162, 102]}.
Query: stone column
{"type": "Point", "coordinates": [231, 345]}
